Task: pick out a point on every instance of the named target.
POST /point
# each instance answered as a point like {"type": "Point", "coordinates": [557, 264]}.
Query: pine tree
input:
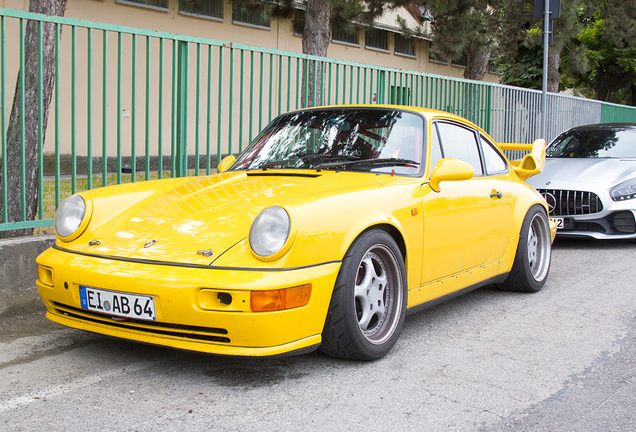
{"type": "Point", "coordinates": [464, 27]}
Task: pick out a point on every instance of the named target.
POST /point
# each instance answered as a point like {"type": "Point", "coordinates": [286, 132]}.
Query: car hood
{"type": "Point", "coordinates": [580, 174]}
{"type": "Point", "coordinates": [199, 219]}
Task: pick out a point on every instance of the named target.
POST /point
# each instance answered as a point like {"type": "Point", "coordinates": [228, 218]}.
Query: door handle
{"type": "Point", "coordinates": [495, 193]}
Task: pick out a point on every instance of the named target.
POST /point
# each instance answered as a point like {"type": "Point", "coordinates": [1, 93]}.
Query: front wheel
{"type": "Point", "coordinates": [532, 261]}
{"type": "Point", "coordinates": [368, 304]}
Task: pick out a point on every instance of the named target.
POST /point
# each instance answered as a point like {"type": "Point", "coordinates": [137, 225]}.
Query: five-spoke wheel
{"type": "Point", "coordinates": [368, 305]}
{"type": "Point", "coordinates": [532, 261]}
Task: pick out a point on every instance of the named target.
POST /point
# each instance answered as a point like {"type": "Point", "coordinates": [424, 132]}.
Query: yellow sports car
{"type": "Point", "coordinates": [324, 233]}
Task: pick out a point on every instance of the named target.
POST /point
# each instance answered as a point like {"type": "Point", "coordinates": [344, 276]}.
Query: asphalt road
{"type": "Point", "coordinates": [563, 359]}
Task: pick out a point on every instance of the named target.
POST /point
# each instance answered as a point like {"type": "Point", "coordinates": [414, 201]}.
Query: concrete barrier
{"type": "Point", "coordinates": [18, 272]}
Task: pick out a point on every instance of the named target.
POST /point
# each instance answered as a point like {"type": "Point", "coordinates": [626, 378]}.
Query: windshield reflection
{"type": "Point", "coordinates": [601, 142]}
{"type": "Point", "coordinates": [355, 139]}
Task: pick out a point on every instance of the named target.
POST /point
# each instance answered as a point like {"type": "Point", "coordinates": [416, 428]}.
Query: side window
{"type": "Point", "coordinates": [436, 150]}
{"type": "Point", "coordinates": [495, 163]}
{"type": "Point", "coordinates": [459, 142]}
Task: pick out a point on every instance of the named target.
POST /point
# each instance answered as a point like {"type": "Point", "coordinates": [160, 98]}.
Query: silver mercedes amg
{"type": "Point", "coordinates": [589, 181]}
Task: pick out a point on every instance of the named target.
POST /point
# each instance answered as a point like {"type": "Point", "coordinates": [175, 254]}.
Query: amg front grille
{"type": "Point", "coordinates": [207, 334]}
{"type": "Point", "coordinates": [571, 203]}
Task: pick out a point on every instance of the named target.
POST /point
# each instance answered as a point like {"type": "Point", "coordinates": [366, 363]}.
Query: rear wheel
{"type": "Point", "coordinates": [532, 261]}
{"type": "Point", "coordinates": [368, 304]}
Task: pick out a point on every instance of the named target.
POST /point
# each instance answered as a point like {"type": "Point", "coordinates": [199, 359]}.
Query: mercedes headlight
{"type": "Point", "coordinates": [624, 191]}
{"type": "Point", "coordinates": [69, 217]}
{"type": "Point", "coordinates": [270, 231]}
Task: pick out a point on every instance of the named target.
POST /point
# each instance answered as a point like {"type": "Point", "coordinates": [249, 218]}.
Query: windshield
{"type": "Point", "coordinates": [354, 139]}
{"type": "Point", "coordinates": [615, 142]}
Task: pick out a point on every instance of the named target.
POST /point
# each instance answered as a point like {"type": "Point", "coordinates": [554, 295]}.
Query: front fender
{"type": "Point", "coordinates": [329, 225]}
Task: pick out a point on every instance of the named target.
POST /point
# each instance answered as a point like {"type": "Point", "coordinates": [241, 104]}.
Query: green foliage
{"type": "Point", "coordinates": [596, 42]}
{"type": "Point", "coordinates": [526, 71]}
{"type": "Point", "coordinates": [461, 25]}
{"type": "Point", "coordinates": [602, 59]}
{"type": "Point", "coordinates": [464, 28]}
{"type": "Point", "coordinates": [350, 14]}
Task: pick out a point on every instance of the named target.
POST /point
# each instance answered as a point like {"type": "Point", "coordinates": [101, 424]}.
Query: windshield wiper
{"type": "Point", "coordinates": [327, 157]}
{"type": "Point", "coordinates": [380, 162]}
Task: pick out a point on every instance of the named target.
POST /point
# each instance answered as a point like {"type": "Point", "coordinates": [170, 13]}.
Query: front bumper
{"type": "Point", "coordinates": [610, 224]}
{"type": "Point", "coordinates": [189, 316]}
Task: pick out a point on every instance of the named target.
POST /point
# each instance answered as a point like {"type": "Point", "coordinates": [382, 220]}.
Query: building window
{"type": "Point", "coordinates": [432, 56]}
{"type": "Point", "coordinates": [343, 34]}
{"type": "Point", "coordinates": [376, 38]}
{"type": "Point", "coordinates": [404, 46]}
{"type": "Point", "coordinates": [492, 68]}
{"type": "Point", "coordinates": [151, 3]}
{"type": "Point", "coordinates": [210, 8]}
{"type": "Point", "coordinates": [256, 16]}
{"type": "Point", "coordinates": [461, 60]}
{"type": "Point", "coordinates": [298, 22]}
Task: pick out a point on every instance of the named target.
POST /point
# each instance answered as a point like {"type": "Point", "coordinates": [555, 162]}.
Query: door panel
{"type": "Point", "coordinates": [461, 226]}
{"type": "Point", "coordinates": [462, 221]}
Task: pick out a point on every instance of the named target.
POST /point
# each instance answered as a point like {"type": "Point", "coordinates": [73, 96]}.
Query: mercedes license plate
{"type": "Point", "coordinates": [118, 303]}
{"type": "Point", "coordinates": [560, 222]}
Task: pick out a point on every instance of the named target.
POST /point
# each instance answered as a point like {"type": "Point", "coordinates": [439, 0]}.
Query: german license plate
{"type": "Point", "coordinates": [560, 222]}
{"type": "Point", "coordinates": [118, 303]}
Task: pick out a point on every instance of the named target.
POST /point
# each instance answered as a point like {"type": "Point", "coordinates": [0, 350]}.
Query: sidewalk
{"type": "Point", "coordinates": [18, 272]}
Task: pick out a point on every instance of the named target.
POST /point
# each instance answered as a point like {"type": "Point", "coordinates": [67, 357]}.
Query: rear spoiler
{"type": "Point", "coordinates": [533, 161]}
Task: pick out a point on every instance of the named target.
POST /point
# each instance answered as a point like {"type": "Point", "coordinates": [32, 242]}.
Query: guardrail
{"type": "Point", "coordinates": [133, 104]}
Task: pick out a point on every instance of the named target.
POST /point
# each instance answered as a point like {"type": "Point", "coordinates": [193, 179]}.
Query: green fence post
{"type": "Point", "coordinates": [182, 110]}
{"type": "Point", "coordinates": [488, 110]}
{"type": "Point", "coordinates": [147, 119]}
{"type": "Point", "coordinates": [3, 136]}
{"type": "Point", "coordinates": [197, 110]}
{"type": "Point", "coordinates": [89, 109]}
{"type": "Point", "coordinates": [104, 108]}
{"type": "Point", "coordinates": [381, 89]}
{"type": "Point", "coordinates": [40, 127]}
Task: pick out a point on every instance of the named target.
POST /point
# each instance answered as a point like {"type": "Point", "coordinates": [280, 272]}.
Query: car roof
{"type": "Point", "coordinates": [425, 112]}
{"type": "Point", "coordinates": [602, 126]}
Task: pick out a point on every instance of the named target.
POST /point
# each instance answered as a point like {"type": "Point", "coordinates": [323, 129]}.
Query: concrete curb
{"type": "Point", "coordinates": [18, 272]}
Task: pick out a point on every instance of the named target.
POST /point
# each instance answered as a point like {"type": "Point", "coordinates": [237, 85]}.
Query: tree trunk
{"type": "Point", "coordinates": [554, 76]}
{"type": "Point", "coordinates": [478, 58]}
{"type": "Point", "coordinates": [16, 139]}
{"type": "Point", "coordinates": [315, 42]}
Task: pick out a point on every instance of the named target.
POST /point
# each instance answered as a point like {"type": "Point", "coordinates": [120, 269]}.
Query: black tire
{"type": "Point", "coordinates": [372, 278]}
{"type": "Point", "coordinates": [532, 261]}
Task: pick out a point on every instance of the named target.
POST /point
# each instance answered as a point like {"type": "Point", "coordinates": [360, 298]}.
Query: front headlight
{"type": "Point", "coordinates": [270, 231]}
{"type": "Point", "coordinates": [624, 191]}
{"type": "Point", "coordinates": [69, 216]}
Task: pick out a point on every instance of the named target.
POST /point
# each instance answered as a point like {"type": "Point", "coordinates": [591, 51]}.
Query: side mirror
{"type": "Point", "coordinates": [226, 163]}
{"type": "Point", "coordinates": [450, 170]}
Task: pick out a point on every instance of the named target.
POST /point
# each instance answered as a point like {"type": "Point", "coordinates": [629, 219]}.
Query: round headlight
{"type": "Point", "coordinates": [270, 231]}
{"type": "Point", "coordinates": [69, 216]}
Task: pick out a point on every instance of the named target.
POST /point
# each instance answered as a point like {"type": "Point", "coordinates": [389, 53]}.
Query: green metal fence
{"type": "Point", "coordinates": [132, 104]}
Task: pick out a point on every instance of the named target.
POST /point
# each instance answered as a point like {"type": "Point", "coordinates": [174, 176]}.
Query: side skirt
{"type": "Point", "coordinates": [494, 280]}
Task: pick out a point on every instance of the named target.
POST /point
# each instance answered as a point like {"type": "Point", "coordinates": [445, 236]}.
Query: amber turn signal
{"type": "Point", "coordinates": [275, 300]}
{"type": "Point", "coordinates": [45, 275]}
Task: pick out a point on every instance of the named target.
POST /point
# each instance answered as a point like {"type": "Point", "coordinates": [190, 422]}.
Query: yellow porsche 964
{"type": "Point", "coordinates": [324, 233]}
